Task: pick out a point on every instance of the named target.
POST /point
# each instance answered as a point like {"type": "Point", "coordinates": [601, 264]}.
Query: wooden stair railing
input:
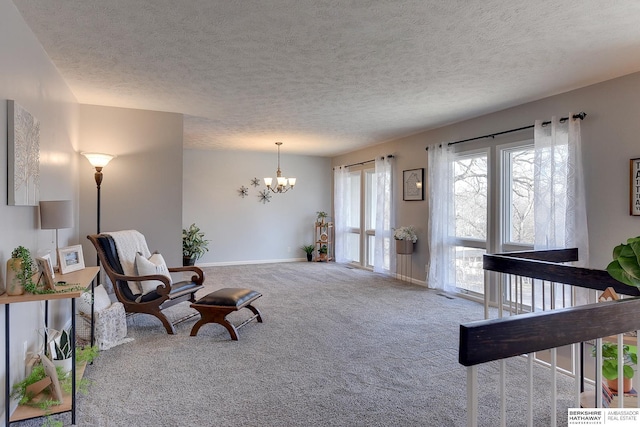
{"type": "Point", "coordinates": [497, 339]}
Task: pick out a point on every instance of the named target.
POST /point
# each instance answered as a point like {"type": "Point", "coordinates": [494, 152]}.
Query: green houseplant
{"type": "Point", "coordinates": [308, 250]}
{"type": "Point", "coordinates": [63, 350]}
{"type": "Point", "coordinates": [322, 252]}
{"type": "Point", "coordinates": [610, 364]}
{"type": "Point", "coordinates": [20, 271]}
{"type": "Point", "coordinates": [321, 217]}
{"type": "Point", "coordinates": [625, 266]}
{"type": "Point", "coordinates": [194, 245]}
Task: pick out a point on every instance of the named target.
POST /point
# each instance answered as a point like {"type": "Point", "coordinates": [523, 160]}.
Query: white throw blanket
{"type": "Point", "coordinates": [128, 243]}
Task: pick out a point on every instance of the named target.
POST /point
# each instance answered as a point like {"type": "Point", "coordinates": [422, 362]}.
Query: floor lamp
{"type": "Point", "coordinates": [98, 161]}
{"type": "Point", "coordinates": [54, 215]}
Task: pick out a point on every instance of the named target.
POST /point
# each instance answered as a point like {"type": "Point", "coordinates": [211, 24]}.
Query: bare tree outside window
{"type": "Point", "coordinates": [522, 222]}
{"type": "Point", "coordinates": [470, 190]}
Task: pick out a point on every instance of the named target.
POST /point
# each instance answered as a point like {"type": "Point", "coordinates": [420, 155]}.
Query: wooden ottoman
{"type": "Point", "coordinates": [215, 307]}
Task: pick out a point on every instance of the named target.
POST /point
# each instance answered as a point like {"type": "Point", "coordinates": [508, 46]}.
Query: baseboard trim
{"type": "Point", "coordinates": [249, 262]}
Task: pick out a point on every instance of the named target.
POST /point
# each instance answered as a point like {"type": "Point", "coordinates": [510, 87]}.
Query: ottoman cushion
{"type": "Point", "coordinates": [228, 297]}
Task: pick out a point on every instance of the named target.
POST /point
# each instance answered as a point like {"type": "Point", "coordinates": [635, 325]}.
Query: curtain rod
{"type": "Point", "coordinates": [389, 156]}
{"type": "Point", "coordinates": [580, 116]}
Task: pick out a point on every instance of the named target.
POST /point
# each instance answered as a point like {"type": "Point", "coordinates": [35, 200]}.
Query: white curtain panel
{"type": "Point", "coordinates": [341, 201]}
{"type": "Point", "coordinates": [559, 198]}
{"type": "Point", "coordinates": [383, 262]}
{"type": "Point", "coordinates": [440, 220]}
{"type": "Point", "coordinates": [560, 212]}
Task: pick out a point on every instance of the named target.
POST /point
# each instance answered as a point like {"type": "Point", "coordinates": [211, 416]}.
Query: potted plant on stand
{"type": "Point", "coordinates": [322, 253]}
{"type": "Point", "coordinates": [405, 237]}
{"type": "Point", "coordinates": [309, 251]}
{"type": "Point", "coordinates": [322, 216]}
{"type": "Point", "coordinates": [194, 245]}
{"type": "Point", "coordinates": [61, 349]}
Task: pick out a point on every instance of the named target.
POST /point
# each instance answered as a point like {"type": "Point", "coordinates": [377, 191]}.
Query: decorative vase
{"type": "Point", "coordinates": [309, 257]}
{"type": "Point", "coordinates": [188, 261]}
{"type": "Point", "coordinates": [13, 284]}
{"type": "Point", "coordinates": [626, 384]}
{"type": "Point", "coordinates": [404, 247]}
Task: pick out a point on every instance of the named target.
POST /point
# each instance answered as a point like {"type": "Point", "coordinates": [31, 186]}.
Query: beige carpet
{"type": "Point", "coordinates": [338, 347]}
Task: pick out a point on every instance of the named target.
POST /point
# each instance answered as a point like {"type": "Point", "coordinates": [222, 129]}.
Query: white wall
{"type": "Point", "coordinates": [243, 230]}
{"type": "Point", "coordinates": [609, 137]}
{"type": "Point", "coordinates": [28, 77]}
{"type": "Point", "coordinates": [142, 187]}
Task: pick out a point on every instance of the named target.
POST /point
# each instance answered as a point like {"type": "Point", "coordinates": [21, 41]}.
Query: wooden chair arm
{"type": "Point", "coordinates": [198, 277]}
{"type": "Point", "coordinates": [163, 290]}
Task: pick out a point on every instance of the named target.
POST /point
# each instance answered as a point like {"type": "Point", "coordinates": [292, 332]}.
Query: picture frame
{"type": "Point", "coordinates": [46, 271]}
{"type": "Point", "coordinates": [71, 259]}
{"type": "Point", "coordinates": [412, 184]}
{"type": "Point", "coordinates": [634, 187]}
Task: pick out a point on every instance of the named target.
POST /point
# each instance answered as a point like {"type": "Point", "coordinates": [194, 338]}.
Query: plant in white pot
{"type": "Point", "coordinates": [61, 349]}
{"type": "Point", "coordinates": [194, 245]}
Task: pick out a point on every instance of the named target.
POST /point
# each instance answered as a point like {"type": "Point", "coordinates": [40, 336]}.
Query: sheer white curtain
{"type": "Point", "coordinates": [559, 198]}
{"type": "Point", "coordinates": [383, 262]}
{"type": "Point", "coordinates": [560, 212]}
{"type": "Point", "coordinates": [441, 258]}
{"type": "Point", "coordinates": [342, 203]}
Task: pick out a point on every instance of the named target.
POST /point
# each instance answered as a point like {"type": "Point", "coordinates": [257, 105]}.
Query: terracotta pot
{"type": "Point", "coordinates": [404, 247]}
{"type": "Point", "coordinates": [14, 287]}
{"type": "Point", "coordinates": [626, 384]}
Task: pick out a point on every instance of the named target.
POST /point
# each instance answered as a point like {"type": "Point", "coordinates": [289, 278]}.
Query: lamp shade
{"type": "Point", "coordinates": [98, 160]}
{"type": "Point", "coordinates": [55, 214]}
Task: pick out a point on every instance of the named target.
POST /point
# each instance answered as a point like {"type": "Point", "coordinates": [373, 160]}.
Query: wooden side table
{"type": "Point", "coordinates": [82, 278]}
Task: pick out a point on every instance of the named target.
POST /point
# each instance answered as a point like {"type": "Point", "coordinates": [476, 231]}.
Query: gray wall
{"type": "Point", "coordinates": [609, 138]}
{"type": "Point", "coordinates": [243, 230]}
{"type": "Point", "coordinates": [28, 77]}
{"type": "Point", "coordinates": [142, 187]}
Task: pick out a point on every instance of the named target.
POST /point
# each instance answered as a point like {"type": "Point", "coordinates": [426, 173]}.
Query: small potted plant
{"type": "Point", "coordinates": [194, 245]}
{"type": "Point", "coordinates": [322, 252]}
{"type": "Point", "coordinates": [62, 349]}
{"type": "Point", "coordinates": [322, 216]}
{"type": "Point", "coordinates": [20, 271]}
{"type": "Point", "coordinates": [610, 365]}
{"type": "Point", "coordinates": [405, 237]}
{"type": "Point", "coordinates": [308, 250]}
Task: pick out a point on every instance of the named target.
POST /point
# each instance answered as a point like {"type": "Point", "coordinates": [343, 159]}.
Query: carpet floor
{"type": "Point", "coordinates": [338, 347]}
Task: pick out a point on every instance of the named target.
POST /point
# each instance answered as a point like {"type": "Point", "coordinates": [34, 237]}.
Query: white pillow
{"type": "Point", "coordinates": [146, 267]}
{"type": "Point", "coordinates": [101, 301]}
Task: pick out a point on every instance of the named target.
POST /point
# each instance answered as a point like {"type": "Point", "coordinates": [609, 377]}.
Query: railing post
{"type": "Point", "coordinates": [472, 396]}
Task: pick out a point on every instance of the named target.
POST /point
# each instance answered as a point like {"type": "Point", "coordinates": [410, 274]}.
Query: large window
{"type": "Point", "coordinates": [362, 221]}
{"type": "Point", "coordinates": [493, 205]}
{"type": "Point", "coordinates": [470, 184]}
{"type": "Point", "coordinates": [354, 217]}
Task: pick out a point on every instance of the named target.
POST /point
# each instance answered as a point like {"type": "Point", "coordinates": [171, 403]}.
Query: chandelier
{"type": "Point", "coordinates": [284, 184]}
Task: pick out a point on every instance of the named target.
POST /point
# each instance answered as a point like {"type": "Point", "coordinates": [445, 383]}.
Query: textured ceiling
{"type": "Point", "coordinates": [328, 77]}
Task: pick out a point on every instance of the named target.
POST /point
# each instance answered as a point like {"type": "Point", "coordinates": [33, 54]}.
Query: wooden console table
{"type": "Point", "coordinates": [82, 278]}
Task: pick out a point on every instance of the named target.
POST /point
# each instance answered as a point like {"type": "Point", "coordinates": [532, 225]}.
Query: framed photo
{"type": "Point", "coordinates": [412, 184]}
{"type": "Point", "coordinates": [634, 198]}
{"type": "Point", "coordinates": [71, 259]}
{"type": "Point", "coordinates": [46, 271]}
